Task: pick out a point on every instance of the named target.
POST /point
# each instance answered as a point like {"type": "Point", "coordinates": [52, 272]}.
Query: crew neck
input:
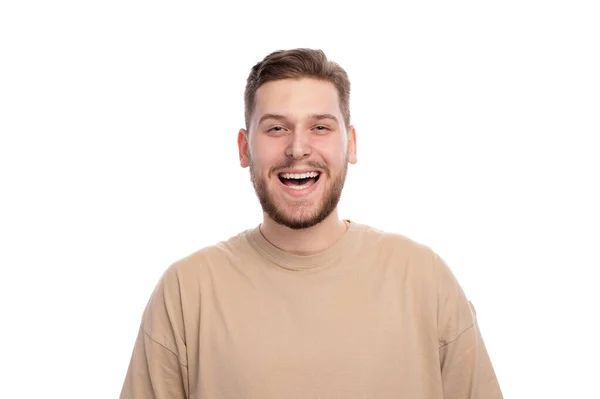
{"type": "Point", "coordinates": [296, 262]}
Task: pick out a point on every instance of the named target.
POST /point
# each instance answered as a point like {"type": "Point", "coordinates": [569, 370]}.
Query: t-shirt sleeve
{"type": "Point", "coordinates": [466, 368]}
{"type": "Point", "coordinates": [154, 372]}
{"type": "Point", "coordinates": [158, 365]}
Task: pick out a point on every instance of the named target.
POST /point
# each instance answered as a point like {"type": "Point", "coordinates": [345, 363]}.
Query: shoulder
{"type": "Point", "coordinates": [428, 273]}
{"type": "Point", "coordinates": [182, 279]}
{"type": "Point", "coordinates": [207, 257]}
{"type": "Point", "coordinates": [407, 255]}
{"type": "Point", "coordinates": [178, 291]}
{"type": "Point", "coordinates": [393, 244]}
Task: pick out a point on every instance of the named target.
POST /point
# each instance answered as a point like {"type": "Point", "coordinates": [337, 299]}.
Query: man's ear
{"type": "Point", "coordinates": [352, 158]}
{"type": "Point", "coordinates": [243, 148]}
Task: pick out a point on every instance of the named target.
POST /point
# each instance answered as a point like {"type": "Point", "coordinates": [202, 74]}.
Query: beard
{"type": "Point", "coordinates": [299, 215]}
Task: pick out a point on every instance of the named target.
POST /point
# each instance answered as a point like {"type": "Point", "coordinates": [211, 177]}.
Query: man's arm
{"type": "Point", "coordinates": [155, 372]}
{"type": "Point", "coordinates": [467, 371]}
{"type": "Point", "coordinates": [466, 368]}
{"type": "Point", "coordinates": [158, 366]}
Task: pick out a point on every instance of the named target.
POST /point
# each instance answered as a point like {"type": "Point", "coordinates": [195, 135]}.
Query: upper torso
{"type": "Point", "coordinates": [361, 323]}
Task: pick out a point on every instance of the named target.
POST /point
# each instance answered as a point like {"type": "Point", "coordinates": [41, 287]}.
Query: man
{"type": "Point", "coordinates": [306, 305]}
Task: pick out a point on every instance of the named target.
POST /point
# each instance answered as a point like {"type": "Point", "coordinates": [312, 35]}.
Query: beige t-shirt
{"type": "Point", "coordinates": [374, 316]}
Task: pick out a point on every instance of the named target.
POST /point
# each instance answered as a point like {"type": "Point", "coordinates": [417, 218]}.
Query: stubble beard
{"type": "Point", "coordinates": [296, 216]}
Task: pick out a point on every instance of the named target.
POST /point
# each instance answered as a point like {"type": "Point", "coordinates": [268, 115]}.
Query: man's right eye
{"type": "Point", "coordinates": [276, 129]}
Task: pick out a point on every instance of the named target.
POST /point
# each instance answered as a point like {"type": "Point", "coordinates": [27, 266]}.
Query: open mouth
{"type": "Point", "coordinates": [299, 181]}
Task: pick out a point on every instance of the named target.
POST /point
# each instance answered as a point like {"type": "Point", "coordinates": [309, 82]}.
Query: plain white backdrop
{"type": "Point", "coordinates": [477, 127]}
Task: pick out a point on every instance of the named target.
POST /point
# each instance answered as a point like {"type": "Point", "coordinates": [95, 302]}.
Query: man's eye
{"type": "Point", "coordinates": [322, 128]}
{"type": "Point", "coordinates": [276, 129]}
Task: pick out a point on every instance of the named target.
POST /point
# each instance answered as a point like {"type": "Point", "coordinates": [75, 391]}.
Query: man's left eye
{"type": "Point", "coordinates": [322, 128]}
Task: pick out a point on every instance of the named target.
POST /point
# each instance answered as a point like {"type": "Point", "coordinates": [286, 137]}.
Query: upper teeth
{"type": "Point", "coordinates": [299, 175]}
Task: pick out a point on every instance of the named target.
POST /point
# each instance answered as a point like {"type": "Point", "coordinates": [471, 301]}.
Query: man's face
{"type": "Point", "coordinates": [298, 150]}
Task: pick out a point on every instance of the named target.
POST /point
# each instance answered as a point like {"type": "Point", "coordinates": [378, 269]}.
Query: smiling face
{"type": "Point", "coordinates": [298, 150]}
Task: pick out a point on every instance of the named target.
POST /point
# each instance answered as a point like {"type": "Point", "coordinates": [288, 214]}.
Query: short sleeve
{"type": "Point", "coordinates": [154, 372]}
{"type": "Point", "coordinates": [466, 368]}
{"type": "Point", "coordinates": [158, 365]}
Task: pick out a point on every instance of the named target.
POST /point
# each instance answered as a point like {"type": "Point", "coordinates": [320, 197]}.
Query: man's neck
{"type": "Point", "coordinates": [304, 241]}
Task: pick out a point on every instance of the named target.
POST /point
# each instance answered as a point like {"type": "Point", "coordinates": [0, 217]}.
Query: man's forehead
{"type": "Point", "coordinates": [305, 97]}
{"type": "Point", "coordinates": [290, 86]}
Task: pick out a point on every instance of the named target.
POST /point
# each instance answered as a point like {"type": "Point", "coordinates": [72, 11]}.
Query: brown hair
{"type": "Point", "coordinates": [296, 64]}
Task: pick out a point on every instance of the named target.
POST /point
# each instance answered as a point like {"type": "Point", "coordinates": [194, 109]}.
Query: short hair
{"type": "Point", "coordinates": [296, 64]}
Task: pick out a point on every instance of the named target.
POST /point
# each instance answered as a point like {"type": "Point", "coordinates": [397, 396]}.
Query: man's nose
{"type": "Point", "coordinates": [300, 146]}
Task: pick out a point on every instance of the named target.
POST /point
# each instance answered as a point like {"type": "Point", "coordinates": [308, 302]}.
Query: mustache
{"type": "Point", "coordinates": [289, 164]}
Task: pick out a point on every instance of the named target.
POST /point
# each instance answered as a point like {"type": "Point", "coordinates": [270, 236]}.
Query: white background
{"type": "Point", "coordinates": [477, 127]}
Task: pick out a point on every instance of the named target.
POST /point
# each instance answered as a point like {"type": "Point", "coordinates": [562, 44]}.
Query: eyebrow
{"type": "Point", "coordinates": [325, 116]}
{"type": "Point", "coordinates": [272, 116]}
{"type": "Point", "coordinates": [285, 119]}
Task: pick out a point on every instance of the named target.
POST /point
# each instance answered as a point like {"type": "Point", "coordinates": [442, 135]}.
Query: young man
{"type": "Point", "coordinates": [306, 305]}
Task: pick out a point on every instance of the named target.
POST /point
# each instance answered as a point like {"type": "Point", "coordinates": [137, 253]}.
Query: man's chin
{"type": "Point", "coordinates": [300, 224]}
{"type": "Point", "coordinates": [297, 225]}
{"type": "Point", "coordinates": [295, 221]}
